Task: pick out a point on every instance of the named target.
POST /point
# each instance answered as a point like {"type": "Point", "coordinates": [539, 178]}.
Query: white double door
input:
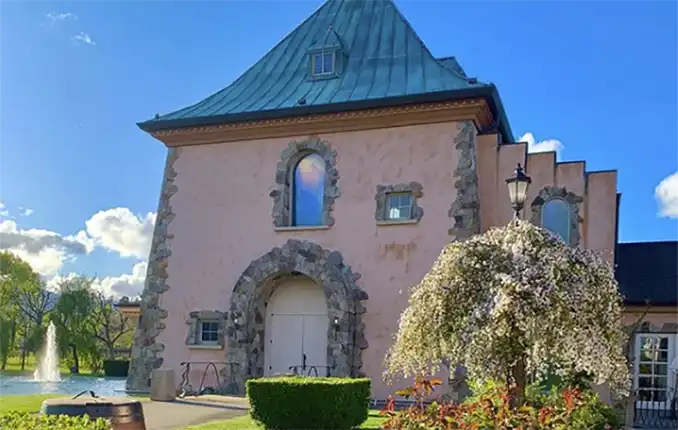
{"type": "Point", "coordinates": [296, 329]}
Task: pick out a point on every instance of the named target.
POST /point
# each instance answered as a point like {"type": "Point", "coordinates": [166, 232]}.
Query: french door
{"type": "Point", "coordinates": [653, 379]}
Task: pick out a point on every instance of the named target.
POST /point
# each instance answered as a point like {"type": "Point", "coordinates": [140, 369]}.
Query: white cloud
{"type": "Point", "coordinates": [60, 16]}
{"type": "Point", "coordinates": [3, 210]}
{"type": "Point", "coordinates": [127, 284]}
{"type": "Point", "coordinates": [543, 146]}
{"type": "Point", "coordinates": [26, 211]}
{"type": "Point", "coordinates": [666, 194]}
{"type": "Point", "coordinates": [46, 251]}
{"type": "Point", "coordinates": [120, 230]}
{"type": "Point", "coordinates": [84, 38]}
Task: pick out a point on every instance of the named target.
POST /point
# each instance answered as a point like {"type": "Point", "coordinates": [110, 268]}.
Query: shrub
{"type": "Point", "coordinates": [490, 408]}
{"type": "Point", "coordinates": [309, 403]}
{"type": "Point", "coordinates": [116, 368]}
{"type": "Point", "coordinates": [27, 421]}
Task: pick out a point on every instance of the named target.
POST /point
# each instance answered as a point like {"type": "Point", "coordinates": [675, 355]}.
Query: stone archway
{"type": "Point", "coordinates": [246, 317]}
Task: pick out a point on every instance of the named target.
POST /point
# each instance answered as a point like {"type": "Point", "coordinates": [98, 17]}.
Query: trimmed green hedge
{"type": "Point", "coordinates": [116, 368]}
{"type": "Point", "coordinates": [309, 403]}
{"type": "Point", "coordinates": [27, 421]}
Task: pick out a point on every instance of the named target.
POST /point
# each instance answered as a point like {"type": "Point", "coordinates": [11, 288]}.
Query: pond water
{"type": "Point", "coordinates": [12, 385]}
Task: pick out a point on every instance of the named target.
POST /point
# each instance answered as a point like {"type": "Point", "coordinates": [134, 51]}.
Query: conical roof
{"type": "Point", "coordinates": [381, 61]}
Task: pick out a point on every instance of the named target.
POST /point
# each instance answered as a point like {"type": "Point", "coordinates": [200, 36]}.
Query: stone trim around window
{"type": "Point", "coordinates": [281, 195]}
{"type": "Point", "coordinates": [381, 197]}
{"type": "Point", "coordinates": [193, 322]}
{"type": "Point", "coordinates": [573, 200]}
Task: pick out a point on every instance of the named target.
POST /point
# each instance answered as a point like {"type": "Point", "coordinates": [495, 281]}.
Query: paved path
{"type": "Point", "coordinates": [187, 412]}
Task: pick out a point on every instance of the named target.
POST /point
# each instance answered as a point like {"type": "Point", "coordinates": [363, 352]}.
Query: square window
{"type": "Point", "coordinates": [323, 63]}
{"type": "Point", "coordinates": [209, 332]}
{"type": "Point", "coordinates": [399, 207]}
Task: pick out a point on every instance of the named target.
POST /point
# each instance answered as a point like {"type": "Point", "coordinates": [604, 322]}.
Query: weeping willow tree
{"type": "Point", "coordinates": [513, 302]}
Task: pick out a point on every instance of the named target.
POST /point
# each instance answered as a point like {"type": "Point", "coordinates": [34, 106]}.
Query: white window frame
{"type": "Point", "coordinates": [200, 340]}
{"type": "Point", "coordinates": [389, 208]}
{"type": "Point", "coordinates": [670, 376]}
{"type": "Point", "coordinates": [321, 54]}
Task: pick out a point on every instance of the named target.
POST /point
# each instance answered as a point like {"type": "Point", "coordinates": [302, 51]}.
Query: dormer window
{"type": "Point", "coordinates": [326, 56]}
{"type": "Point", "coordinates": [323, 63]}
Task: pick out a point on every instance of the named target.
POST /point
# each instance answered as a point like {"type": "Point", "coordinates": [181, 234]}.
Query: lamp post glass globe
{"type": "Point", "coordinates": [517, 188]}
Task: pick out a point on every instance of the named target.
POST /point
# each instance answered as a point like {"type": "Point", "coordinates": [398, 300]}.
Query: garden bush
{"type": "Point", "coordinates": [490, 408]}
{"type": "Point", "coordinates": [309, 403]}
{"type": "Point", "coordinates": [28, 421]}
{"type": "Point", "coordinates": [116, 368]}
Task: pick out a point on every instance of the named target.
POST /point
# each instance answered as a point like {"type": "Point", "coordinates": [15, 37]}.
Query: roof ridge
{"type": "Point", "coordinates": [442, 68]}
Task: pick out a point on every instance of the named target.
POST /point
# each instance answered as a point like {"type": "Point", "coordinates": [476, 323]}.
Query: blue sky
{"type": "Point", "coordinates": [597, 77]}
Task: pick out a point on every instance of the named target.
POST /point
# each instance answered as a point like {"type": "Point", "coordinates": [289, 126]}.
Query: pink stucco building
{"type": "Point", "coordinates": [301, 202]}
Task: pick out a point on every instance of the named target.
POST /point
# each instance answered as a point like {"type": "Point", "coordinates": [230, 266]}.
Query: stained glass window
{"type": "Point", "coordinates": [555, 216]}
{"type": "Point", "coordinates": [309, 191]}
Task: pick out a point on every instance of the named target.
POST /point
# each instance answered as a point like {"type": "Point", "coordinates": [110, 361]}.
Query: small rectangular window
{"type": "Point", "coordinates": [323, 63]}
{"type": "Point", "coordinates": [209, 332]}
{"type": "Point", "coordinates": [399, 206]}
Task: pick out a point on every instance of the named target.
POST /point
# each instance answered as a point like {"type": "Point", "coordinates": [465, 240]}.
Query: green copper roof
{"type": "Point", "coordinates": [381, 61]}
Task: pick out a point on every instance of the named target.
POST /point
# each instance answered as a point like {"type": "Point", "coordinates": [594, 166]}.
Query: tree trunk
{"type": "Point", "coordinates": [24, 345]}
{"type": "Point", "coordinates": [23, 356]}
{"type": "Point", "coordinates": [519, 382]}
{"type": "Point", "coordinates": [76, 364]}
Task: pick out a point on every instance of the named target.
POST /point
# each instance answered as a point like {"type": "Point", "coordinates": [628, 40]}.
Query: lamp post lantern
{"type": "Point", "coordinates": [517, 188]}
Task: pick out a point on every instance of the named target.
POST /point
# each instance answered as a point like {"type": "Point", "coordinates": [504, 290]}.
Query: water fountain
{"type": "Point", "coordinates": [48, 366]}
{"type": "Point", "coordinates": [47, 380]}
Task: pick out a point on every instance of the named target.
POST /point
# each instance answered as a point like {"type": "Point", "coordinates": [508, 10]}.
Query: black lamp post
{"type": "Point", "coordinates": [517, 188]}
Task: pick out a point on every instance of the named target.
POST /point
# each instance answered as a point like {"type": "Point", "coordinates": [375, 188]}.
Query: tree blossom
{"type": "Point", "coordinates": [514, 296]}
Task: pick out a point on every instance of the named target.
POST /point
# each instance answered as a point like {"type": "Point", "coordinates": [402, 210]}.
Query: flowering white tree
{"type": "Point", "coordinates": [512, 302]}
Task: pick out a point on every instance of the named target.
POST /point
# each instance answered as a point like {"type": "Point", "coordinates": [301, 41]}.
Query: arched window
{"type": "Point", "coordinates": [308, 191]}
{"type": "Point", "coordinates": [555, 216]}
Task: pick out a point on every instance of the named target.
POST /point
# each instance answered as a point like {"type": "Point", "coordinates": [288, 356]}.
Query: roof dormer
{"type": "Point", "coordinates": [327, 57]}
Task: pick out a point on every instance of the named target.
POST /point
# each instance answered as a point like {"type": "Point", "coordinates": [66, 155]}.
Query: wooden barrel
{"type": "Point", "coordinates": [123, 413]}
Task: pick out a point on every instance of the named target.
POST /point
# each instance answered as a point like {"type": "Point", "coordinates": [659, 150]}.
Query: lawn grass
{"type": "Point", "coordinates": [33, 402]}
{"type": "Point", "coordinates": [373, 422]}
{"type": "Point", "coordinates": [13, 367]}
{"type": "Point", "coordinates": [25, 402]}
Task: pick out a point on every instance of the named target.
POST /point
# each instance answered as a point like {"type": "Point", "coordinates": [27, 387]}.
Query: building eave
{"type": "Point", "coordinates": [488, 92]}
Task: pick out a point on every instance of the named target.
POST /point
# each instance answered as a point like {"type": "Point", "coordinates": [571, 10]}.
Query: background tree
{"type": "Point", "coordinates": [89, 326]}
{"type": "Point", "coordinates": [18, 283]}
{"type": "Point", "coordinates": [107, 324]}
{"type": "Point", "coordinates": [71, 317]}
{"type": "Point", "coordinates": [513, 302]}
